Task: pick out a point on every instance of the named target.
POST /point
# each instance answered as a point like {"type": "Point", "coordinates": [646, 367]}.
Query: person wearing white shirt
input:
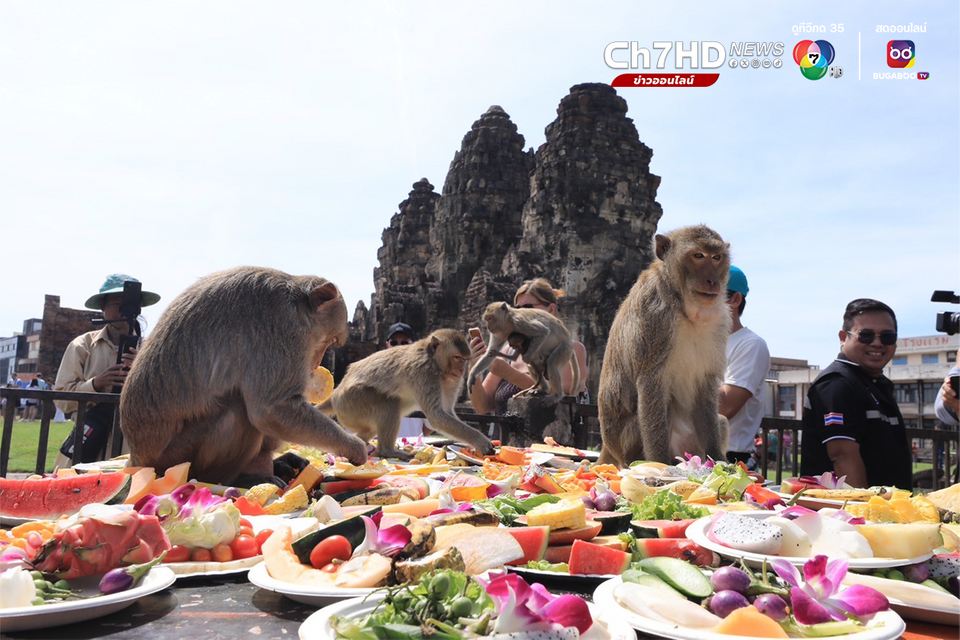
{"type": "Point", "coordinates": [748, 361]}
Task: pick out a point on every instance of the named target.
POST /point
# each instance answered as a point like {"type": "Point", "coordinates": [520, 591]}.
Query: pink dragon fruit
{"type": "Point", "coordinates": [97, 544]}
{"type": "Point", "coordinates": [944, 565]}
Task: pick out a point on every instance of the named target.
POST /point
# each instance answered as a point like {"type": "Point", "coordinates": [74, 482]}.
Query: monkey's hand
{"type": "Point", "coordinates": [394, 453]}
{"type": "Point", "coordinates": [354, 450]}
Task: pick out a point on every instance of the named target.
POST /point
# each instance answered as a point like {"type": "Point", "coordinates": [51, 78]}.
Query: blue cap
{"type": "Point", "coordinates": [738, 282]}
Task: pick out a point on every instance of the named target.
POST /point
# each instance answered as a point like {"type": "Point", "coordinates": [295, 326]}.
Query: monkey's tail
{"type": "Point", "coordinates": [576, 374]}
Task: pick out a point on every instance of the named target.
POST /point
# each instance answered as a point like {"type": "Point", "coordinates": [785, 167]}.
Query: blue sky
{"type": "Point", "coordinates": [286, 134]}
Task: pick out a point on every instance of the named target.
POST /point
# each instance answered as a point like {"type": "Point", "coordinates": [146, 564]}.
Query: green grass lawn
{"type": "Point", "coordinates": [23, 446]}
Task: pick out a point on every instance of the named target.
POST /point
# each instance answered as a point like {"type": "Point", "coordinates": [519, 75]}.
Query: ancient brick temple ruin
{"type": "Point", "coordinates": [580, 211]}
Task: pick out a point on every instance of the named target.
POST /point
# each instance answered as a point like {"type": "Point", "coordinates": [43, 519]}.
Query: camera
{"type": "Point", "coordinates": [948, 322]}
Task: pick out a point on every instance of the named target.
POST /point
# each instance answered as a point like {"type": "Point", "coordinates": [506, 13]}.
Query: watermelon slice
{"type": "Point", "coordinates": [680, 548]}
{"type": "Point", "coordinates": [661, 528]}
{"type": "Point", "coordinates": [592, 559]}
{"type": "Point", "coordinates": [50, 498]}
{"type": "Point", "coordinates": [403, 482]}
{"type": "Point", "coordinates": [567, 536]}
{"type": "Point", "coordinates": [332, 486]}
{"type": "Point", "coordinates": [533, 541]}
{"type": "Point", "coordinates": [793, 485]}
{"type": "Point", "coordinates": [562, 553]}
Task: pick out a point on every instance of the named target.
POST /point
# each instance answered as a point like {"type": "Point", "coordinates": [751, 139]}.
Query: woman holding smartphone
{"type": "Point", "coordinates": [506, 379]}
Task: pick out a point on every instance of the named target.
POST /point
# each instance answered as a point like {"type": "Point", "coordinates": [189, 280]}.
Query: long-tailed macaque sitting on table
{"type": "Point", "coordinates": [666, 355]}
{"type": "Point", "coordinates": [219, 382]}
{"type": "Point", "coordinates": [387, 385]}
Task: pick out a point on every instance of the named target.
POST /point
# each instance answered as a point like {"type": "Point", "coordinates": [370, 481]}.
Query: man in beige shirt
{"type": "Point", "coordinates": [90, 365]}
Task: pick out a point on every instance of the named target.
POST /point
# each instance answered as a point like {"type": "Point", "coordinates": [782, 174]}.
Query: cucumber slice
{"type": "Point", "coordinates": [681, 575]}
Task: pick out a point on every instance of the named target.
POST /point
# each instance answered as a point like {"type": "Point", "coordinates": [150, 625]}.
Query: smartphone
{"type": "Point", "coordinates": [475, 332]}
{"type": "Point", "coordinates": [955, 383]}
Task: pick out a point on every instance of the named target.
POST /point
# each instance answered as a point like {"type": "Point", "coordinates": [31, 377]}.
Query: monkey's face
{"type": "Point", "coordinates": [496, 317]}
{"type": "Point", "coordinates": [707, 267]}
{"type": "Point", "coordinates": [330, 321]}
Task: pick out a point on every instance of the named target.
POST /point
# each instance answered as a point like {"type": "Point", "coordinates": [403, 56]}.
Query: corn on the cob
{"type": "Point", "coordinates": [292, 500]}
{"type": "Point", "coordinates": [261, 493]}
{"type": "Point", "coordinates": [564, 514]}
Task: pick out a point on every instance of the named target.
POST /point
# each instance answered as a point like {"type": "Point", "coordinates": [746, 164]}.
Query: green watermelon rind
{"type": "Point", "coordinates": [50, 498]}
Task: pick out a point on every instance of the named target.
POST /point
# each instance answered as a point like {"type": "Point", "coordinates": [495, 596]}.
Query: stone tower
{"type": "Point", "coordinates": [580, 212]}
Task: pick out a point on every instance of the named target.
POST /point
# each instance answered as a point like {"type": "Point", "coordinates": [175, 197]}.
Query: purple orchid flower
{"type": "Point", "coordinates": [182, 502]}
{"type": "Point", "coordinates": [12, 556]}
{"type": "Point", "coordinates": [526, 607]}
{"type": "Point", "coordinates": [387, 542]}
{"type": "Point", "coordinates": [818, 597]}
{"type": "Point", "coordinates": [827, 480]}
{"type": "Point", "coordinates": [692, 463]}
{"type": "Point", "coordinates": [794, 512]}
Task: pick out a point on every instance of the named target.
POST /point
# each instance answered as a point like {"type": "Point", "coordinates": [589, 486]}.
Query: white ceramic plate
{"type": "Point", "coordinates": [698, 533]}
{"type": "Point", "coordinates": [567, 452]}
{"type": "Point", "coordinates": [815, 503]}
{"type": "Point", "coordinates": [885, 625]}
{"type": "Point", "coordinates": [314, 596]}
{"type": "Point", "coordinates": [317, 626]}
{"type": "Point", "coordinates": [73, 611]}
{"type": "Point", "coordinates": [209, 569]}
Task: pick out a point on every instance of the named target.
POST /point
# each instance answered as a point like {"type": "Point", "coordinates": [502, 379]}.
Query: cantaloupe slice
{"type": "Point", "coordinates": [174, 477]}
{"type": "Point", "coordinates": [749, 622]}
{"type": "Point", "coordinates": [140, 484]}
{"type": "Point", "coordinates": [469, 494]}
{"type": "Point", "coordinates": [66, 473]}
{"type": "Point", "coordinates": [416, 508]}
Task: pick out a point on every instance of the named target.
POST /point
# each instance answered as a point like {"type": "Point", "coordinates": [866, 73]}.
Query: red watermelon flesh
{"type": "Point", "coordinates": [50, 498]}
{"type": "Point", "coordinates": [591, 559]}
{"type": "Point", "coordinates": [661, 528]}
{"type": "Point", "coordinates": [333, 487]}
{"type": "Point", "coordinates": [562, 553]}
{"type": "Point", "coordinates": [680, 548]}
{"type": "Point", "coordinates": [405, 482]}
{"type": "Point", "coordinates": [793, 485]}
{"type": "Point", "coordinates": [533, 541]}
{"type": "Point", "coordinates": [567, 536]}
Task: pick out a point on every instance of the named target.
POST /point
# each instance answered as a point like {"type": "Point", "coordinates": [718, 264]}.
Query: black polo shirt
{"type": "Point", "coordinates": [846, 402]}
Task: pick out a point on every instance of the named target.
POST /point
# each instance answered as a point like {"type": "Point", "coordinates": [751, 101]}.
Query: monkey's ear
{"type": "Point", "coordinates": [433, 345]}
{"type": "Point", "coordinates": [504, 306]}
{"type": "Point", "coordinates": [662, 243]}
{"type": "Point", "coordinates": [323, 294]}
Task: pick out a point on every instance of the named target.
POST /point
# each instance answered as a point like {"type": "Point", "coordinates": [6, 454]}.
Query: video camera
{"type": "Point", "coordinates": [948, 322]}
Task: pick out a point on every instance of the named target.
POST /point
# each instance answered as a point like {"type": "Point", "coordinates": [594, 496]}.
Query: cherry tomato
{"type": "Point", "coordinates": [244, 547]}
{"type": "Point", "coordinates": [245, 523]}
{"type": "Point", "coordinates": [329, 549]}
{"type": "Point", "coordinates": [177, 553]}
{"type": "Point", "coordinates": [201, 555]}
{"type": "Point", "coordinates": [330, 568]}
{"type": "Point", "coordinates": [222, 553]}
{"type": "Point", "coordinates": [246, 531]}
{"type": "Point", "coordinates": [262, 537]}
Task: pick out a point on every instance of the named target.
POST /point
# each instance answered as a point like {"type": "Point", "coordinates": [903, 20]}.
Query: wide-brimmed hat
{"type": "Point", "coordinates": [114, 284]}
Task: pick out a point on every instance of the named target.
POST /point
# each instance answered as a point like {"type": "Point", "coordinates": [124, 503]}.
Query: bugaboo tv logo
{"type": "Point", "coordinates": [901, 54]}
{"type": "Point", "coordinates": [814, 58]}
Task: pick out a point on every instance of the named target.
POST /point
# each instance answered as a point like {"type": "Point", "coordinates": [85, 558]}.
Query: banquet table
{"type": "Point", "coordinates": [232, 607]}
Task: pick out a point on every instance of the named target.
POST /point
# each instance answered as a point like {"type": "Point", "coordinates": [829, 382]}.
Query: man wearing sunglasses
{"type": "Point", "coordinates": [851, 422]}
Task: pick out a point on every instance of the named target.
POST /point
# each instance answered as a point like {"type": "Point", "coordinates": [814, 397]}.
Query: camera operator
{"type": "Point", "coordinates": [90, 365]}
{"type": "Point", "coordinates": [947, 405]}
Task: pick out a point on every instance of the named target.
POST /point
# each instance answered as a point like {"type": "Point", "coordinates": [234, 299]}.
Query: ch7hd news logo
{"type": "Point", "coordinates": [815, 58]}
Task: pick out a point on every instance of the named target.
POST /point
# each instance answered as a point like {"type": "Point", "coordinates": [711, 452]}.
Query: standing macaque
{"type": "Point", "coordinates": [220, 381]}
{"type": "Point", "coordinates": [666, 355]}
{"type": "Point", "coordinates": [546, 345]}
{"type": "Point", "coordinates": [385, 386]}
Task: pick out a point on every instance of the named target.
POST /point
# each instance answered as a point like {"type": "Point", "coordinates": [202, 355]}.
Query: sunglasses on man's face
{"type": "Point", "coordinates": [398, 343]}
{"type": "Point", "coordinates": [867, 336]}
{"type": "Point", "coordinates": [531, 305]}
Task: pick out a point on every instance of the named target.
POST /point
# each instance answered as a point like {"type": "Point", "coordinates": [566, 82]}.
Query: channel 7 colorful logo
{"type": "Point", "coordinates": [901, 54]}
{"type": "Point", "coordinates": [814, 58]}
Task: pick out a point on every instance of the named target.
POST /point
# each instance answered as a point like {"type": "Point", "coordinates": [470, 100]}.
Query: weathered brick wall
{"type": "Point", "coordinates": [60, 326]}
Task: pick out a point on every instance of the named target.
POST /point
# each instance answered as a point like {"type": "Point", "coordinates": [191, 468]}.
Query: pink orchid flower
{"type": "Point", "coordinates": [818, 597]}
{"type": "Point", "coordinates": [387, 542]}
{"type": "Point", "coordinates": [828, 480]}
{"type": "Point", "coordinates": [526, 607]}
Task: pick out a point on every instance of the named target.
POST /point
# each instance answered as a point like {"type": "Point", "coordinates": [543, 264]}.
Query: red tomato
{"type": "Point", "coordinates": [329, 549]}
{"type": "Point", "coordinates": [262, 537]}
{"type": "Point", "coordinates": [222, 553]}
{"type": "Point", "coordinates": [244, 547]}
{"type": "Point", "coordinates": [245, 523]}
{"type": "Point", "coordinates": [246, 531]}
{"type": "Point", "coordinates": [201, 555]}
{"type": "Point", "coordinates": [177, 553]}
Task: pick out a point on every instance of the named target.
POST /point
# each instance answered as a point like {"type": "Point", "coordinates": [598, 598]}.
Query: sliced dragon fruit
{"type": "Point", "coordinates": [944, 565]}
{"type": "Point", "coordinates": [746, 534]}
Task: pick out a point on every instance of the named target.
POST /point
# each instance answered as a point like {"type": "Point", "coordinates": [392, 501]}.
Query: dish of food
{"type": "Point", "coordinates": [538, 575]}
{"type": "Point", "coordinates": [317, 626]}
{"type": "Point", "coordinates": [314, 596]}
{"type": "Point", "coordinates": [885, 625]}
{"type": "Point", "coordinates": [208, 569]}
{"type": "Point", "coordinates": [814, 503]}
{"type": "Point", "coordinates": [73, 611]}
{"type": "Point", "coordinates": [698, 533]}
{"type": "Point", "coordinates": [566, 452]}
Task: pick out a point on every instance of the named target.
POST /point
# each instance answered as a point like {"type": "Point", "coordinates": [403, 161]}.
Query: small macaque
{"type": "Point", "coordinates": [390, 384]}
{"type": "Point", "coordinates": [220, 381]}
{"type": "Point", "coordinates": [666, 355]}
{"type": "Point", "coordinates": [540, 337]}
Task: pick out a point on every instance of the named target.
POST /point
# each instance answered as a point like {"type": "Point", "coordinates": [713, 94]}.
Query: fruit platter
{"type": "Point", "coordinates": [346, 541]}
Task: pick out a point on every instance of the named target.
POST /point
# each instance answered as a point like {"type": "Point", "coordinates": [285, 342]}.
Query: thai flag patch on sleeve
{"type": "Point", "coordinates": [832, 418]}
